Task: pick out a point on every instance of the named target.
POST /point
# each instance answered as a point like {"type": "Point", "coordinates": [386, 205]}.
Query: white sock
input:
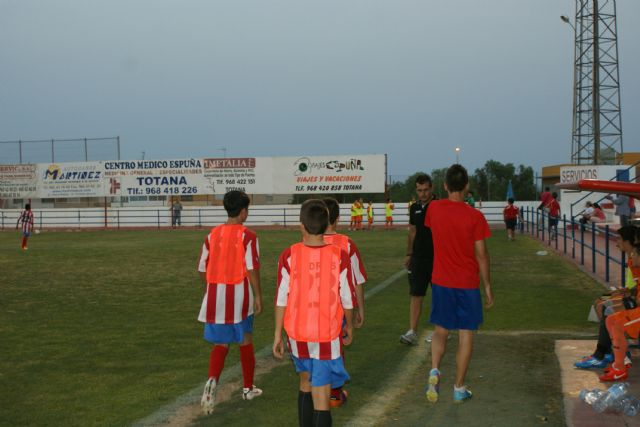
{"type": "Point", "coordinates": [460, 389]}
{"type": "Point", "coordinates": [410, 331]}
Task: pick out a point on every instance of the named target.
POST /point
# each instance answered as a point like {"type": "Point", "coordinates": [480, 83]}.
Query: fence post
{"type": "Point", "coordinates": [564, 233]}
{"type": "Point", "coordinates": [542, 226]}
{"type": "Point", "coordinates": [200, 218]}
{"type": "Point", "coordinates": [582, 245]}
{"type": "Point", "coordinates": [118, 218]}
{"type": "Point", "coordinates": [573, 238]}
{"type": "Point", "coordinates": [606, 254]}
{"type": "Point", "coordinates": [158, 212]}
{"type": "Point", "coordinates": [593, 247]}
{"type": "Point", "coordinates": [623, 263]}
{"type": "Point", "coordinates": [78, 218]}
{"type": "Point", "coordinates": [2, 216]}
{"type": "Point", "coordinates": [284, 216]}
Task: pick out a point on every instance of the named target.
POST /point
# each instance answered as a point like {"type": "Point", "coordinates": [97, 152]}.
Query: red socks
{"type": "Point", "coordinates": [24, 242]}
{"type": "Point", "coordinates": [216, 360]}
{"type": "Point", "coordinates": [248, 361]}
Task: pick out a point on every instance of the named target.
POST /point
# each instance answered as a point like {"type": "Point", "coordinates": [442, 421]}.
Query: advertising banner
{"type": "Point", "coordinates": [180, 177]}
{"type": "Point", "coordinates": [329, 174]}
{"type": "Point", "coordinates": [175, 177]}
{"type": "Point", "coordinates": [18, 181]}
{"type": "Point", "coordinates": [70, 180]}
{"type": "Point", "coordinates": [253, 175]}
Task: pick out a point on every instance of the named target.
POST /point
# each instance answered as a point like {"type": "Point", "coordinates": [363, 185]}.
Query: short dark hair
{"type": "Point", "coordinates": [546, 189]}
{"type": "Point", "coordinates": [28, 206]}
{"type": "Point", "coordinates": [629, 233]}
{"type": "Point", "coordinates": [314, 216]}
{"type": "Point", "coordinates": [555, 195]}
{"type": "Point", "coordinates": [334, 209]}
{"type": "Point", "coordinates": [423, 178]}
{"type": "Point", "coordinates": [456, 178]}
{"type": "Point", "coordinates": [234, 202]}
{"type": "Point", "coordinates": [510, 200]}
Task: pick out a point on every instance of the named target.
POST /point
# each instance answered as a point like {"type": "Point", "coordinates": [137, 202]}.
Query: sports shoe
{"type": "Point", "coordinates": [461, 396]}
{"type": "Point", "coordinates": [429, 337]}
{"type": "Point", "coordinates": [339, 400]}
{"type": "Point", "coordinates": [250, 393]}
{"type": "Point", "coordinates": [434, 385]}
{"type": "Point", "coordinates": [613, 374]}
{"type": "Point", "coordinates": [627, 363]}
{"type": "Point", "coordinates": [209, 396]}
{"type": "Point", "coordinates": [410, 338]}
{"type": "Point", "coordinates": [591, 362]}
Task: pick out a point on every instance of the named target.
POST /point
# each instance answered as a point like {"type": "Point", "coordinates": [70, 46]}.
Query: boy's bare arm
{"type": "Point", "coordinates": [482, 256]}
{"type": "Point", "coordinates": [254, 280]}
{"type": "Point", "coordinates": [278, 345]}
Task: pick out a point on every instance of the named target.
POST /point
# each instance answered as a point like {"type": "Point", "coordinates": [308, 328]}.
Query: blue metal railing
{"type": "Point", "coordinates": [577, 238]}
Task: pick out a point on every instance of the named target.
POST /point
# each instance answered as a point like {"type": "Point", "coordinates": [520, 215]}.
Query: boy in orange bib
{"type": "Point", "coordinates": [338, 395]}
{"type": "Point", "coordinates": [230, 267]}
{"type": "Point", "coordinates": [315, 295]}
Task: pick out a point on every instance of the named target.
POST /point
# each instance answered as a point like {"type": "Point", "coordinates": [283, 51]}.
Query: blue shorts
{"type": "Point", "coordinates": [453, 308]}
{"type": "Point", "coordinates": [225, 334]}
{"type": "Point", "coordinates": [26, 233]}
{"type": "Point", "coordinates": [323, 372]}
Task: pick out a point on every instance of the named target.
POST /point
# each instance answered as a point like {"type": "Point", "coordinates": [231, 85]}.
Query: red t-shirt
{"type": "Point", "coordinates": [545, 197]}
{"type": "Point", "coordinates": [455, 227]}
{"type": "Point", "coordinates": [554, 208]}
{"type": "Point", "coordinates": [510, 212]}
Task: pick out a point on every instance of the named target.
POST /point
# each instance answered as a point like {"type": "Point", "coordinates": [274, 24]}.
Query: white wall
{"type": "Point", "coordinates": [209, 215]}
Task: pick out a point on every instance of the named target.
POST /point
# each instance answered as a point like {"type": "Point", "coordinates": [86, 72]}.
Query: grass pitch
{"type": "Point", "coordinates": [99, 328]}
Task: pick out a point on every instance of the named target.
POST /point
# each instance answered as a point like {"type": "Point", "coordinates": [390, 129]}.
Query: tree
{"type": "Point", "coordinates": [491, 181]}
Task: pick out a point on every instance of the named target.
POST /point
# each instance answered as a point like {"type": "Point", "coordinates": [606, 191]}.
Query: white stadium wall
{"type": "Point", "coordinates": [206, 216]}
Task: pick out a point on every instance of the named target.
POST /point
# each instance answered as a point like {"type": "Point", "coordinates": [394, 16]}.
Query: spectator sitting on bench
{"type": "Point", "coordinates": [593, 213]}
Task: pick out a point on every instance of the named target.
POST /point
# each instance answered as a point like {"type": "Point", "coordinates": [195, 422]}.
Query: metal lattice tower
{"type": "Point", "coordinates": [597, 122]}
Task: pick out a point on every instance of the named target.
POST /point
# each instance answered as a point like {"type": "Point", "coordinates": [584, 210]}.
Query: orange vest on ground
{"type": "Point", "coordinates": [226, 255]}
{"type": "Point", "coordinates": [340, 240]}
{"type": "Point", "coordinates": [314, 311]}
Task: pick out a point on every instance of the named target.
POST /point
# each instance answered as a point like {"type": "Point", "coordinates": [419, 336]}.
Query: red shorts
{"type": "Point", "coordinates": [389, 218]}
{"type": "Point", "coordinates": [370, 220]}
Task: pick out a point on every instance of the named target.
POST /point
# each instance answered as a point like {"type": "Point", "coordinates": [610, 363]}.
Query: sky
{"type": "Point", "coordinates": [410, 78]}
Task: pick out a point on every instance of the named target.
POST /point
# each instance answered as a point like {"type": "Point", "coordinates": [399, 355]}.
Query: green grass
{"type": "Point", "coordinates": [99, 328]}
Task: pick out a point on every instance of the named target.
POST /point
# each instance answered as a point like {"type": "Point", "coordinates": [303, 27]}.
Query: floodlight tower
{"type": "Point", "coordinates": [597, 121]}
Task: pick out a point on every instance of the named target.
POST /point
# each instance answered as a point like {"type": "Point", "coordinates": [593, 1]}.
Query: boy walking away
{"type": "Point", "coordinates": [460, 253]}
{"type": "Point", "coordinates": [230, 267]}
{"type": "Point", "coordinates": [26, 218]}
{"type": "Point", "coordinates": [359, 277]}
{"type": "Point", "coordinates": [388, 214]}
{"type": "Point", "coordinates": [553, 208]}
{"type": "Point", "coordinates": [370, 216]}
{"type": "Point", "coordinates": [314, 297]}
{"type": "Point", "coordinates": [510, 214]}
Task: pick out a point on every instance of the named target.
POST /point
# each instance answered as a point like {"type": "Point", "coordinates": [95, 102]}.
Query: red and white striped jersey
{"type": "Point", "coordinates": [229, 303]}
{"type": "Point", "coordinates": [314, 350]}
{"type": "Point", "coordinates": [357, 268]}
{"type": "Point", "coordinates": [26, 218]}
